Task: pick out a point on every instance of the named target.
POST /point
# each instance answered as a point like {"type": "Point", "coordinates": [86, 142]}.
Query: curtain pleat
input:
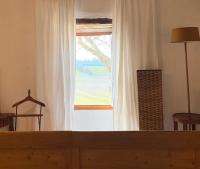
{"type": "Point", "coordinates": [56, 61]}
{"type": "Point", "coordinates": [134, 47]}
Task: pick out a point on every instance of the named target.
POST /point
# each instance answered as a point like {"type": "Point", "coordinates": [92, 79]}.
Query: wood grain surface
{"type": "Point", "coordinates": [100, 150]}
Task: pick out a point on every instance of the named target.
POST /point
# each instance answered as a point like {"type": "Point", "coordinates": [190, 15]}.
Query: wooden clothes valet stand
{"type": "Point", "coordinates": [28, 98]}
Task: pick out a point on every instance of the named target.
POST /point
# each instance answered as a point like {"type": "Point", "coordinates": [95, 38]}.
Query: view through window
{"type": "Point", "coordinates": [93, 69]}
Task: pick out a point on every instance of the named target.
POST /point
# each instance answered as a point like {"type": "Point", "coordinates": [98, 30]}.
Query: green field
{"type": "Point", "coordinates": [93, 85]}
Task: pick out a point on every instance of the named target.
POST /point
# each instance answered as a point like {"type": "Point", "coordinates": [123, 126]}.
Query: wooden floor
{"type": "Point", "coordinates": [100, 150]}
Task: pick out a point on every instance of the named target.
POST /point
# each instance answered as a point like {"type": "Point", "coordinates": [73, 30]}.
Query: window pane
{"type": "Point", "coordinates": [93, 70]}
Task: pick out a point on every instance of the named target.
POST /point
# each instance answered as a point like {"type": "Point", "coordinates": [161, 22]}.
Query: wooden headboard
{"type": "Point", "coordinates": [100, 150]}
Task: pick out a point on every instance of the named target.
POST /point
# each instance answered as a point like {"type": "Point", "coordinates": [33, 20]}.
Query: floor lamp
{"type": "Point", "coordinates": [186, 35]}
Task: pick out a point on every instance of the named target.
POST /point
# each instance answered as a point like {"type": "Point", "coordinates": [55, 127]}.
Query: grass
{"type": "Point", "coordinates": [94, 88]}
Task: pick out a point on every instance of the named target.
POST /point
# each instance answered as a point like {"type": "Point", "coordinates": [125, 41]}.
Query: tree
{"type": "Point", "coordinates": [90, 44]}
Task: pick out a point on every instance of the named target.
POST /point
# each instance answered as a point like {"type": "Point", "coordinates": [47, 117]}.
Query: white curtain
{"type": "Point", "coordinates": [55, 61]}
{"type": "Point", "coordinates": [134, 47]}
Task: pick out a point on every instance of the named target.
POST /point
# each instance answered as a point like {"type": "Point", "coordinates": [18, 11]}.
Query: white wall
{"type": "Point", "coordinates": [178, 13]}
{"type": "Point", "coordinates": [93, 120]}
{"type": "Point", "coordinates": [94, 8]}
{"type": "Point", "coordinates": [17, 52]}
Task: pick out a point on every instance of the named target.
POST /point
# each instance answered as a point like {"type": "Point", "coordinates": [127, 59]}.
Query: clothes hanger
{"type": "Point", "coordinates": [29, 98]}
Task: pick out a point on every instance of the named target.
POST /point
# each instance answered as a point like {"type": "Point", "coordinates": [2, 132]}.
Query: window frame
{"type": "Point", "coordinates": [95, 33]}
{"type": "Point", "coordinates": [93, 107]}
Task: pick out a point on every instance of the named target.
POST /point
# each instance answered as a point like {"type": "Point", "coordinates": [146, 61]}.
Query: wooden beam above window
{"type": "Point", "coordinates": [93, 21]}
{"type": "Point", "coordinates": [93, 29]}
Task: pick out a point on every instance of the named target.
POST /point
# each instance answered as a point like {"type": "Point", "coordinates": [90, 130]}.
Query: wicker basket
{"type": "Point", "coordinates": [150, 99]}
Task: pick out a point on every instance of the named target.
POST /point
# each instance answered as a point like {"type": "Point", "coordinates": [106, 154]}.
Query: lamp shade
{"type": "Point", "coordinates": [185, 34]}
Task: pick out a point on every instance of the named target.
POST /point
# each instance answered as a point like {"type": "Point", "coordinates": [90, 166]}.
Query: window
{"type": "Point", "coordinates": [93, 90]}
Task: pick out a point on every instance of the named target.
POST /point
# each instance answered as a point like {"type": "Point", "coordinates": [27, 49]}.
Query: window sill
{"type": "Point", "coordinates": [93, 107]}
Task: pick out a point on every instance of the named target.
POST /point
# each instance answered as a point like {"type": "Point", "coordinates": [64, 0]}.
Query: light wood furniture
{"type": "Point", "coordinates": [150, 99]}
{"type": "Point", "coordinates": [28, 98]}
{"type": "Point", "coordinates": [100, 150]}
{"type": "Point", "coordinates": [188, 120]}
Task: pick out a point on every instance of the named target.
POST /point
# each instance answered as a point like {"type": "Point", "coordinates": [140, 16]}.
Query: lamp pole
{"type": "Point", "coordinates": [186, 35]}
{"type": "Point", "coordinates": [187, 76]}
